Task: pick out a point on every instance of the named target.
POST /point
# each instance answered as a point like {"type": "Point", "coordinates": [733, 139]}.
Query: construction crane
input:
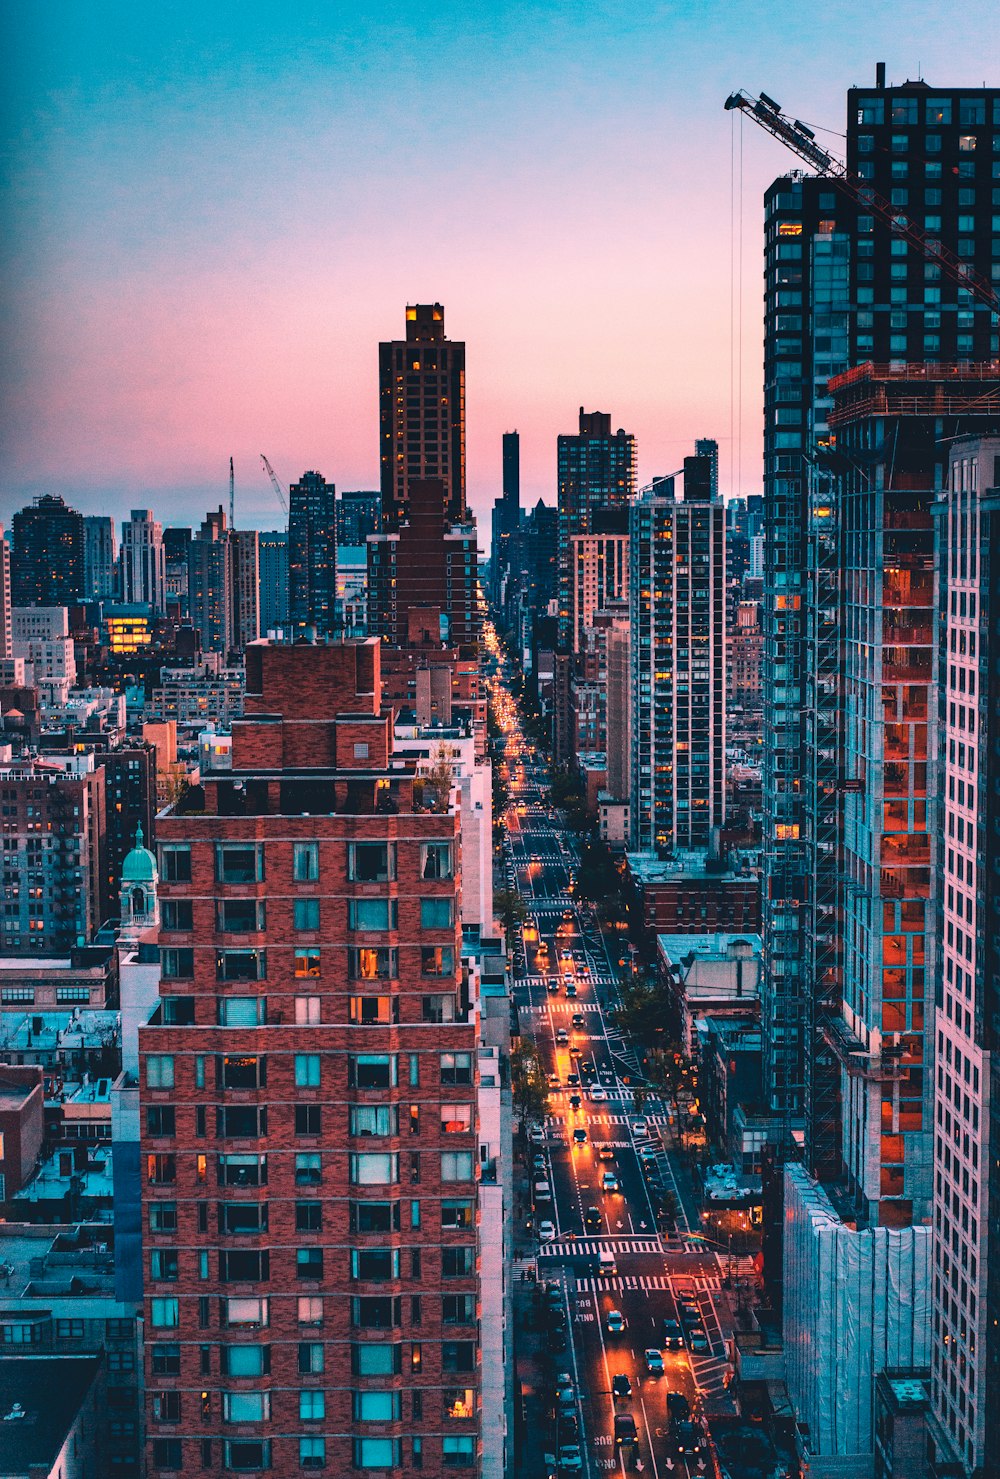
{"type": "Point", "coordinates": [802, 141]}
{"type": "Point", "coordinates": [279, 492]}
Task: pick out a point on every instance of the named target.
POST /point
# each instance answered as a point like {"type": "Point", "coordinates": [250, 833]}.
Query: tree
{"type": "Point", "coordinates": [510, 910]}
{"type": "Point", "coordinates": [440, 781]}
{"type": "Point", "coordinates": [528, 1082]}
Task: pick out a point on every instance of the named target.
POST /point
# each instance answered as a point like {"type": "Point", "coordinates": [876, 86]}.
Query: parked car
{"type": "Point", "coordinates": [565, 1392]}
{"type": "Point", "coordinates": [678, 1407]}
{"type": "Point", "coordinates": [698, 1340]}
{"type": "Point", "coordinates": [570, 1459]}
{"type": "Point", "coordinates": [536, 1135]}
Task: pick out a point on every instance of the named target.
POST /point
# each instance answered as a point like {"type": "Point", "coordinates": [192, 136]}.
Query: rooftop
{"type": "Point", "coordinates": [40, 1397]}
{"type": "Point", "coordinates": [646, 868]}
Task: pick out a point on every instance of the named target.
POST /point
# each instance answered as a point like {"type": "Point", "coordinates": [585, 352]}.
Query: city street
{"type": "Point", "coordinates": [590, 1177]}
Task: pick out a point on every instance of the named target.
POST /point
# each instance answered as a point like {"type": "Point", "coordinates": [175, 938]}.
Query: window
{"type": "Point", "coordinates": [311, 1358]}
{"type": "Point", "coordinates": [242, 1170]}
{"type": "Point", "coordinates": [375, 1217]}
{"type": "Point", "coordinates": [164, 1314]}
{"type": "Point", "coordinates": [177, 914]}
{"type": "Point", "coordinates": [177, 965]}
{"type": "Point", "coordinates": [308, 1119]}
{"type": "Point", "coordinates": [373, 1168]}
{"type": "Point", "coordinates": [371, 862]}
{"type": "Point", "coordinates": [306, 1011]}
{"type": "Point", "coordinates": [246, 1407]}
{"type": "Point", "coordinates": [459, 1402]}
{"type": "Point", "coordinates": [245, 1360]}
{"type": "Point", "coordinates": [435, 860]}
{"type": "Point", "coordinates": [376, 1312]}
{"type": "Point", "coordinates": [246, 1455]}
{"type": "Point", "coordinates": [241, 1011]}
{"type": "Point", "coordinates": [376, 1360]}
{"type": "Point", "coordinates": [239, 862]}
{"type": "Point", "coordinates": [373, 1119]}
{"type": "Point", "coordinates": [376, 1010]}
{"type": "Point", "coordinates": [967, 143]}
{"type": "Point", "coordinates": [240, 1072]}
{"type": "Point", "coordinates": [312, 1405]}
{"type": "Point", "coordinates": [436, 914]}
{"type": "Point", "coordinates": [440, 1008]}
{"type": "Point", "coordinates": [456, 1165]}
{"type": "Point", "coordinates": [457, 1263]}
{"type": "Point", "coordinates": [161, 1120]}
{"type": "Point", "coordinates": [166, 1359]}
{"type": "Point", "coordinates": [308, 1169]}
{"type": "Point", "coordinates": [175, 862]}
{"type": "Point", "coordinates": [240, 965]}
{"type": "Point", "coordinates": [308, 1216]}
{"type": "Point", "coordinates": [457, 1214]}
{"type": "Point", "coordinates": [163, 1217]}
{"type": "Point", "coordinates": [456, 1068]}
{"type": "Point", "coordinates": [312, 1453]}
{"type": "Point", "coordinates": [372, 962]}
{"type": "Point", "coordinates": [167, 1453]}
{"type": "Point", "coordinates": [372, 1071]}
{"type": "Point", "coordinates": [437, 960]}
{"type": "Point", "coordinates": [309, 1263]}
{"type": "Point", "coordinates": [307, 961]}
{"type": "Point", "coordinates": [161, 1170]}
{"type": "Point", "coordinates": [458, 1452]}
{"type": "Point", "coordinates": [240, 916]}
{"type": "Point", "coordinates": [971, 111]}
{"type": "Point", "coordinates": [240, 1121]}
{"type": "Point", "coordinates": [163, 1264]}
{"type": "Point", "coordinates": [307, 1070]}
{"type": "Point", "coordinates": [371, 914]}
{"type": "Point", "coordinates": [374, 1265]}
{"type": "Point", "coordinates": [378, 1407]}
{"type": "Point", "coordinates": [456, 1119]}
{"type": "Point", "coordinates": [310, 1309]}
{"type": "Point", "coordinates": [242, 1217]}
{"type": "Point", "coordinates": [244, 1265]}
{"type": "Point", "coordinates": [160, 1071]}
{"type": "Point", "coordinates": [378, 1453]}
{"type": "Point", "coordinates": [244, 1312]}
{"type": "Point", "coordinates": [305, 862]}
{"type": "Point", "coordinates": [937, 110]}
{"type": "Point", "coordinates": [306, 914]}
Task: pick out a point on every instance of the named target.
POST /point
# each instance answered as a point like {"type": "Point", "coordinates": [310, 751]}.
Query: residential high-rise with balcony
{"type": "Point", "coordinates": [422, 414]}
{"type": "Point", "coordinates": [308, 1096]}
{"type": "Point", "coordinates": [596, 470]}
{"type": "Point", "coordinates": [677, 609]}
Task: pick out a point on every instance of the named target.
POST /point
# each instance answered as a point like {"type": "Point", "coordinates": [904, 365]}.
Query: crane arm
{"type": "Point", "coordinates": [797, 137]}
{"type": "Point", "coordinates": [278, 491]}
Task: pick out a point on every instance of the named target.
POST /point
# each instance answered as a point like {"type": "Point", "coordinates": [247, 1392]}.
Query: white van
{"type": "Point", "coordinates": [606, 1262]}
{"type": "Point", "coordinates": [543, 1191]}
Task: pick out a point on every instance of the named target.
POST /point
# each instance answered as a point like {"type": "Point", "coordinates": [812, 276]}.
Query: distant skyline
{"type": "Point", "coordinates": [214, 214]}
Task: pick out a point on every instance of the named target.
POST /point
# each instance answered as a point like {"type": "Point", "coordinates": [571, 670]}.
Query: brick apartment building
{"type": "Point", "coordinates": [308, 1096]}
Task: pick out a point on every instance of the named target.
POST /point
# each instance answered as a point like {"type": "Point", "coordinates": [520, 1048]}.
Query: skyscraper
{"type": "Point", "coordinates": [176, 551]}
{"type": "Point", "coordinates": [144, 581]}
{"type": "Point", "coordinates": [511, 481]}
{"type": "Point", "coordinates": [210, 583]}
{"type": "Point", "coordinates": [99, 558]}
{"type": "Point", "coordinates": [6, 631]}
{"type": "Point", "coordinates": [708, 447]}
{"type": "Point", "coordinates": [677, 587]}
{"type": "Point", "coordinates": [245, 579]}
{"type": "Point", "coordinates": [359, 513]}
{"type": "Point", "coordinates": [314, 1056]}
{"type": "Point", "coordinates": [273, 556]}
{"type": "Point", "coordinates": [47, 554]}
{"type": "Point", "coordinates": [596, 470]}
{"type": "Point", "coordinates": [422, 414]}
{"type": "Point", "coordinates": [423, 576]}
{"type": "Point", "coordinates": [312, 555]}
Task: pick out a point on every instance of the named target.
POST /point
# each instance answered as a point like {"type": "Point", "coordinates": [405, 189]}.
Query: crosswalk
{"type": "Point", "coordinates": [590, 1247]}
{"type": "Point", "coordinates": [556, 1121]}
{"type": "Point", "coordinates": [632, 1283]}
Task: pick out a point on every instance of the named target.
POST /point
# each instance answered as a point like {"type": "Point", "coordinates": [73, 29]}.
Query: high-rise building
{"type": "Point", "coordinates": [842, 288]}
{"type": "Point", "coordinates": [272, 546]}
{"type": "Point", "coordinates": [245, 557]}
{"type": "Point", "coordinates": [359, 513]}
{"type": "Point", "coordinates": [130, 802]}
{"type": "Point", "coordinates": [177, 554]}
{"type": "Point", "coordinates": [47, 554]}
{"type": "Point", "coordinates": [6, 629]}
{"type": "Point", "coordinates": [598, 576]}
{"type": "Point", "coordinates": [422, 415]}
{"type": "Point", "coordinates": [677, 589]}
{"type": "Point", "coordinates": [143, 562]}
{"type": "Point", "coordinates": [100, 558]}
{"type": "Point", "coordinates": [511, 481]}
{"type": "Point", "coordinates": [312, 555]}
{"type": "Point", "coordinates": [965, 1359]}
{"type": "Point", "coordinates": [506, 523]}
{"type": "Point", "coordinates": [709, 448]}
{"type": "Point", "coordinates": [312, 1067]}
{"type": "Point", "coordinates": [210, 583]}
{"type": "Point", "coordinates": [41, 636]}
{"type": "Point", "coordinates": [423, 576]}
{"type": "Point", "coordinates": [596, 470]}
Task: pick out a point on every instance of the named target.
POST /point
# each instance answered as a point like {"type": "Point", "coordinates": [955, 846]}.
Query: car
{"type": "Point", "coordinates": [646, 1153]}
{"type": "Point", "coordinates": [556, 1339]}
{"type": "Point", "coordinates": [546, 1230]}
{"type": "Point", "coordinates": [579, 1020]}
{"type": "Point", "coordinates": [688, 1439]}
{"type": "Point", "coordinates": [654, 1362]}
{"type": "Point", "coordinates": [605, 1152]}
{"type": "Point", "coordinates": [573, 1080]}
{"type": "Point", "coordinates": [597, 1094]}
{"type": "Point", "coordinates": [565, 1392]}
{"type": "Point", "coordinates": [552, 985]}
{"type": "Point", "coordinates": [579, 1136]}
{"type": "Point", "coordinates": [539, 1163]}
{"type": "Point", "coordinates": [609, 1183]}
{"type": "Point", "coordinates": [574, 1051]}
{"type": "Point", "coordinates": [536, 1135]}
{"type": "Point", "coordinates": [698, 1341]}
{"type": "Point", "coordinates": [575, 1101]}
{"type": "Point", "coordinates": [640, 1129]}
{"type": "Point", "coordinates": [616, 1323]}
{"type": "Point", "coordinates": [678, 1407]}
{"type": "Point", "coordinates": [672, 1335]}
{"type": "Point", "coordinates": [571, 988]}
{"type": "Point", "coordinates": [569, 1428]}
{"type": "Point", "coordinates": [562, 1036]}
{"type": "Point", "coordinates": [621, 1387]}
{"type": "Point", "coordinates": [570, 1459]}
{"type": "Point", "coordinates": [592, 1219]}
{"type": "Point", "coordinates": [625, 1430]}
{"type": "Point", "coordinates": [554, 1082]}
{"type": "Point", "coordinates": [689, 1311]}
{"type": "Point", "coordinates": [553, 1293]}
